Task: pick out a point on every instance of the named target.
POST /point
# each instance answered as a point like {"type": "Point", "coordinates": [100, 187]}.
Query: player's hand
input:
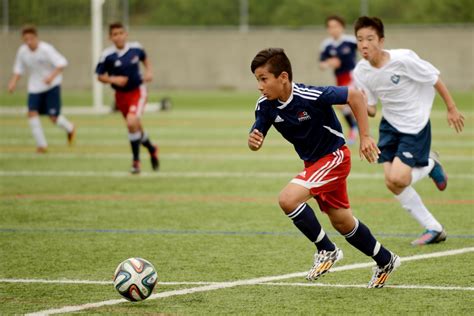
{"type": "Point", "coordinates": [120, 81]}
{"type": "Point", "coordinates": [334, 62]}
{"type": "Point", "coordinates": [255, 140]}
{"type": "Point", "coordinates": [147, 77]}
{"type": "Point", "coordinates": [48, 80]}
{"type": "Point", "coordinates": [455, 119]}
{"type": "Point", "coordinates": [368, 149]}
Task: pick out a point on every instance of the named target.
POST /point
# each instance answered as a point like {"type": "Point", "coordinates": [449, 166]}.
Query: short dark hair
{"type": "Point", "coordinates": [29, 29]}
{"type": "Point", "coordinates": [115, 25]}
{"type": "Point", "coordinates": [337, 18]}
{"type": "Point", "coordinates": [373, 22]}
{"type": "Point", "coordinates": [276, 59]}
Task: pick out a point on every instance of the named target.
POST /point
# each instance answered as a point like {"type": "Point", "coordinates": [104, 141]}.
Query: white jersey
{"type": "Point", "coordinates": [39, 63]}
{"type": "Point", "coordinates": [404, 86]}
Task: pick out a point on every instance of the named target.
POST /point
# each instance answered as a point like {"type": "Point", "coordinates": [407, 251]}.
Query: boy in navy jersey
{"type": "Point", "coordinates": [338, 52]}
{"type": "Point", "coordinates": [120, 66]}
{"type": "Point", "coordinates": [304, 116]}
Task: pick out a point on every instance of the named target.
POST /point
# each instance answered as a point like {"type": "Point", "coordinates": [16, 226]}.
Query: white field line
{"type": "Point", "coordinates": [409, 287]}
{"type": "Point", "coordinates": [255, 281]}
{"type": "Point", "coordinates": [187, 156]}
{"type": "Point", "coordinates": [401, 286]}
{"type": "Point", "coordinates": [185, 174]}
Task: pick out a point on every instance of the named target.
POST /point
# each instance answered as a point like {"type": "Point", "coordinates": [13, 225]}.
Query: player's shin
{"type": "Point", "coordinates": [64, 123]}
{"type": "Point", "coordinates": [304, 218]}
{"type": "Point", "coordinates": [37, 130]}
{"type": "Point", "coordinates": [361, 238]}
{"type": "Point", "coordinates": [135, 144]}
{"type": "Point", "coordinates": [145, 140]}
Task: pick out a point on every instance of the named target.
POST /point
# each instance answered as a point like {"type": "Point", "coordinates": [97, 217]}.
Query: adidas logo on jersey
{"type": "Point", "coordinates": [278, 119]}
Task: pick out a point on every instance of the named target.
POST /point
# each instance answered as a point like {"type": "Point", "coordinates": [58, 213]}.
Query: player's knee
{"type": "Point", "coordinates": [397, 181]}
{"type": "Point", "coordinates": [287, 204]}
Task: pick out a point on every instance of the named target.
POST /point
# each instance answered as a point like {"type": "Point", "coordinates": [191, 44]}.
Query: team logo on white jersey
{"type": "Point", "coordinates": [278, 119]}
{"type": "Point", "coordinates": [395, 79]}
{"type": "Point", "coordinates": [303, 116]}
{"type": "Point", "coordinates": [118, 63]}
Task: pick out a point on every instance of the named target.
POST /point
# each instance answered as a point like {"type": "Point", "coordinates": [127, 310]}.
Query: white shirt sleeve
{"type": "Point", "coordinates": [18, 66]}
{"type": "Point", "coordinates": [419, 70]}
{"type": "Point", "coordinates": [371, 97]}
{"type": "Point", "coordinates": [55, 57]}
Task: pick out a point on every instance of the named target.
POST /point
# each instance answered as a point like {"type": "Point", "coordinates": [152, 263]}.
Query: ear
{"type": "Point", "coordinates": [284, 76]}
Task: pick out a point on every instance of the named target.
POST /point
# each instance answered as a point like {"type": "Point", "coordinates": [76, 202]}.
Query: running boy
{"type": "Point", "coordinates": [305, 117]}
{"type": "Point", "coordinates": [405, 85]}
{"type": "Point", "coordinates": [338, 52]}
{"type": "Point", "coordinates": [45, 66]}
{"type": "Point", "coordinates": [120, 66]}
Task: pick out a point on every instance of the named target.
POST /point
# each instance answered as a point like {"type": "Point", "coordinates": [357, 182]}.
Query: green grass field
{"type": "Point", "coordinates": [211, 215]}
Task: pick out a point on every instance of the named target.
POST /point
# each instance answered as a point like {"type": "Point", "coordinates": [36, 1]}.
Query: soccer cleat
{"type": "Point", "coordinates": [323, 261]}
{"type": "Point", "coordinates": [155, 161]}
{"type": "Point", "coordinates": [41, 150]}
{"type": "Point", "coordinates": [381, 274]}
{"type": "Point", "coordinates": [352, 137]}
{"type": "Point", "coordinates": [135, 167]}
{"type": "Point", "coordinates": [439, 176]}
{"type": "Point", "coordinates": [71, 136]}
{"type": "Point", "coordinates": [430, 237]}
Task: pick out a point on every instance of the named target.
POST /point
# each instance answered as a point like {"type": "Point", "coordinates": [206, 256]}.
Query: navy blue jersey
{"type": "Point", "coordinates": [344, 48]}
{"type": "Point", "coordinates": [307, 119]}
{"type": "Point", "coordinates": [124, 62]}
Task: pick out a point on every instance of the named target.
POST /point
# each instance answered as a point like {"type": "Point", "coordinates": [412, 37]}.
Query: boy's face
{"type": "Point", "coordinates": [334, 28]}
{"type": "Point", "coordinates": [118, 36]}
{"type": "Point", "coordinates": [368, 43]}
{"type": "Point", "coordinates": [31, 40]}
{"type": "Point", "coordinates": [270, 86]}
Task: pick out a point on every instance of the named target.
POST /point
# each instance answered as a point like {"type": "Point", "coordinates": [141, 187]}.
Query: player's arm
{"type": "Point", "coordinates": [255, 140]}
{"type": "Point", "coordinates": [53, 75]}
{"type": "Point", "coordinates": [13, 81]}
{"type": "Point", "coordinates": [332, 63]}
{"type": "Point", "coordinates": [148, 75]}
{"type": "Point", "coordinates": [357, 102]}
{"type": "Point", "coordinates": [116, 80]}
{"type": "Point", "coordinates": [455, 118]}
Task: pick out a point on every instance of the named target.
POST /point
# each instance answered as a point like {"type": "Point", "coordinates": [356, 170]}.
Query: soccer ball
{"type": "Point", "coordinates": [135, 279]}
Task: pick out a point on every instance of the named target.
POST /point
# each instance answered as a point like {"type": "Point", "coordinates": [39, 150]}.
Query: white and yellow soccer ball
{"type": "Point", "coordinates": [135, 279]}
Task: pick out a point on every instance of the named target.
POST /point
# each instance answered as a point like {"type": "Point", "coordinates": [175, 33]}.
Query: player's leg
{"type": "Point", "coordinates": [34, 105]}
{"type": "Point", "coordinates": [134, 136]}
{"type": "Point", "coordinates": [398, 179]}
{"type": "Point", "coordinates": [53, 104]}
{"type": "Point", "coordinates": [145, 139]}
{"type": "Point", "coordinates": [360, 236]}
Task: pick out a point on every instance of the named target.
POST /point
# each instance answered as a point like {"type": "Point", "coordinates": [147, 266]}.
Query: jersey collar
{"type": "Point", "coordinates": [123, 51]}
{"type": "Point", "coordinates": [284, 104]}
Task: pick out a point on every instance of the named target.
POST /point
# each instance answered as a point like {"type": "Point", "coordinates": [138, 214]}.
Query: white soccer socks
{"type": "Point", "coordinates": [411, 201]}
{"type": "Point", "coordinates": [37, 130]}
{"type": "Point", "coordinates": [63, 122]}
{"type": "Point", "coordinates": [419, 173]}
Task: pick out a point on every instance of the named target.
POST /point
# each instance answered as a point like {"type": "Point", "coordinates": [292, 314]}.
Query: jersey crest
{"type": "Point", "coordinates": [395, 78]}
{"type": "Point", "coordinates": [303, 116]}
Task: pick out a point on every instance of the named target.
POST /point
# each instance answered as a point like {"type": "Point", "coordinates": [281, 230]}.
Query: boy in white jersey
{"type": "Point", "coordinates": [405, 85]}
{"type": "Point", "coordinates": [45, 65]}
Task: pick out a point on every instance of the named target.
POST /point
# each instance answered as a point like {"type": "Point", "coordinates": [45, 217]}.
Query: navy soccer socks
{"type": "Point", "coordinates": [361, 238]}
{"type": "Point", "coordinates": [135, 140]}
{"type": "Point", "coordinates": [304, 218]}
{"type": "Point", "coordinates": [145, 140]}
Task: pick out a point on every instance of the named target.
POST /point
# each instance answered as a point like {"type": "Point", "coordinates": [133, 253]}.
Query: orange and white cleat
{"type": "Point", "coordinates": [381, 274]}
{"type": "Point", "coordinates": [323, 261]}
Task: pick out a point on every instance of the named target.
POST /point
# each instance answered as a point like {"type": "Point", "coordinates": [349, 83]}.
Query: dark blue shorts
{"type": "Point", "coordinates": [412, 149]}
{"type": "Point", "coordinates": [47, 103]}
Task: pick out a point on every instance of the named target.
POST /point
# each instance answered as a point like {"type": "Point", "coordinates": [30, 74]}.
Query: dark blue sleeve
{"type": "Point", "coordinates": [262, 121]}
{"type": "Point", "coordinates": [101, 67]}
{"type": "Point", "coordinates": [142, 55]}
{"type": "Point", "coordinates": [333, 95]}
{"type": "Point", "coordinates": [324, 55]}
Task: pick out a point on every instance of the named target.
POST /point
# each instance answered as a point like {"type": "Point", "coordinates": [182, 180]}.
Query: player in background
{"type": "Point", "coordinates": [304, 116]}
{"type": "Point", "coordinates": [119, 66]}
{"type": "Point", "coordinates": [45, 65]}
{"type": "Point", "coordinates": [338, 52]}
{"type": "Point", "coordinates": [405, 84]}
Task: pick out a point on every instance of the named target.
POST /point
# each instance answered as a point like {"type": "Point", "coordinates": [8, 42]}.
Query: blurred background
{"type": "Point", "coordinates": [208, 44]}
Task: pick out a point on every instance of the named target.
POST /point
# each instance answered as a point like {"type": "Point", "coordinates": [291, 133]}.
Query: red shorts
{"type": "Point", "coordinates": [344, 79]}
{"type": "Point", "coordinates": [133, 101]}
{"type": "Point", "coordinates": [326, 179]}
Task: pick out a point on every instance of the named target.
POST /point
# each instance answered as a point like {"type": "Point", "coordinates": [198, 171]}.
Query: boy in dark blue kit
{"type": "Point", "coordinates": [304, 116]}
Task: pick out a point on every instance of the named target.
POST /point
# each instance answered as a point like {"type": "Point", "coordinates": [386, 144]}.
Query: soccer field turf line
{"type": "Point", "coordinates": [255, 281]}
{"type": "Point", "coordinates": [399, 286]}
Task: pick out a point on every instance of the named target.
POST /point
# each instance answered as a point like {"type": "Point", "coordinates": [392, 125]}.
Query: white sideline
{"type": "Point", "coordinates": [255, 281]}
{"type": "Point", "coordinates": [185, 174]}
